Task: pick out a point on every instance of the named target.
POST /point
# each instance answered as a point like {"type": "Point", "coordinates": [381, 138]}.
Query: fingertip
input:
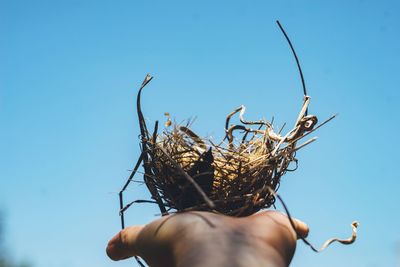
{"type": "Point", "coordinates": [123, 245]}
{"type": "Point", "coordinates": [302, 229]}
{"type": "Point", "coordinates": [110, 252]}
{"type": "Point", "coordinates": [114, 247]}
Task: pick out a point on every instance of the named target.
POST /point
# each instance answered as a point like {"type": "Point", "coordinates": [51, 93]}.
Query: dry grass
{"type": "Point", "coordinates": [186, 172]}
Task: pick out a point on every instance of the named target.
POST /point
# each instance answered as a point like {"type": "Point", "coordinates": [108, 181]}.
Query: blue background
{"type": "Point", "coordinates": [69, 73]}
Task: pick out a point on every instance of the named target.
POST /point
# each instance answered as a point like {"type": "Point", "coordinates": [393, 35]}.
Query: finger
{"type": "Point", "coordinates": [301, 228]}
{"type": "Point", "coordinates": [124, 244]}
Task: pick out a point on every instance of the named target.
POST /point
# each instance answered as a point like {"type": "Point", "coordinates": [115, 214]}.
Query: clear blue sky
{"type": "Point", "coordinates": [69, 72]}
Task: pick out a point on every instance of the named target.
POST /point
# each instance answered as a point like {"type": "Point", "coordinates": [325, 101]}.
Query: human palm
{"type": "Point", "coordinates": [207, 239]}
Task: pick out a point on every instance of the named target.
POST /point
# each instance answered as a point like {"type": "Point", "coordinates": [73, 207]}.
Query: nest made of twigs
{"type": "Point", "coordinates": [237, 177]}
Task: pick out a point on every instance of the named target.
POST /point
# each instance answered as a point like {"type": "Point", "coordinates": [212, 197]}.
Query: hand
{"type": "Point", "coordinates": [206, 239]}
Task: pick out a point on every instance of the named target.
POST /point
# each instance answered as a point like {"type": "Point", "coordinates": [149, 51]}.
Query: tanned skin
{"type": "Point", "coordinates": [199, 239]}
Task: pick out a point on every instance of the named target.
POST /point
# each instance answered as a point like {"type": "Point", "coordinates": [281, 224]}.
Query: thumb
{"type": "Point", "coordinates": [301, 228]}
{"type": "Point", "coordinates": [124, 244]}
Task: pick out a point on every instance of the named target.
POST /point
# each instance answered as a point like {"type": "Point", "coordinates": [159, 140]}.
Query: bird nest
{"type": "Point", "coordinates": [237, 177]}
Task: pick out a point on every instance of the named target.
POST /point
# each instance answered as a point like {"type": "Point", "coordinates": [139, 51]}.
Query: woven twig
{"type": "Point", "coordinates": [187, 172]}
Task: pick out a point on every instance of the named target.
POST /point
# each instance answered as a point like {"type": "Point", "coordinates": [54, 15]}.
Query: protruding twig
{"type": "Point", "coordinates": [194, 136]}
{"type": "Point", "coordinates": [145, 138]}
{"type": "Point", "coordinates": [296, 58]}
{"type": "Point", "coordinates": [347, 241]}
{"type": "Point", "coordinates": [133, 202]}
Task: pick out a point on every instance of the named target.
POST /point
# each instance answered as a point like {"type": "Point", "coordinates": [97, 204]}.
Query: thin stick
{"type": "Point", "coordinates": [121, 206]}
{"type": "Point", "coordinates": [194, 136]}
{"type": "Point", "coordinates": [347, 241]}
{"type": "Point", "coordinates": [228, 118]}
{"type": "Point", "coordinates": [304, 144]}
{"type": "Point", "coordinates": [283, 126]}
{"type": "Point", "coordinates": [242, 120]}
{"type": "Point", "coordinates": [295, 56]}
{"type": "Point", "coordinates": [139, 262]}
{"type": "Point", "coordinates": [314, 129]}
{"type": "Point", "coordinates": [142, 123]}
{"type": "Point", "coordinates": [133, 172]}
{"type": "Point", "coordinates": [121, 201]}
{"type": "Point", "coordinates": [144, 138]}
{"type": "Point", "coordinates": [136, 201]}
